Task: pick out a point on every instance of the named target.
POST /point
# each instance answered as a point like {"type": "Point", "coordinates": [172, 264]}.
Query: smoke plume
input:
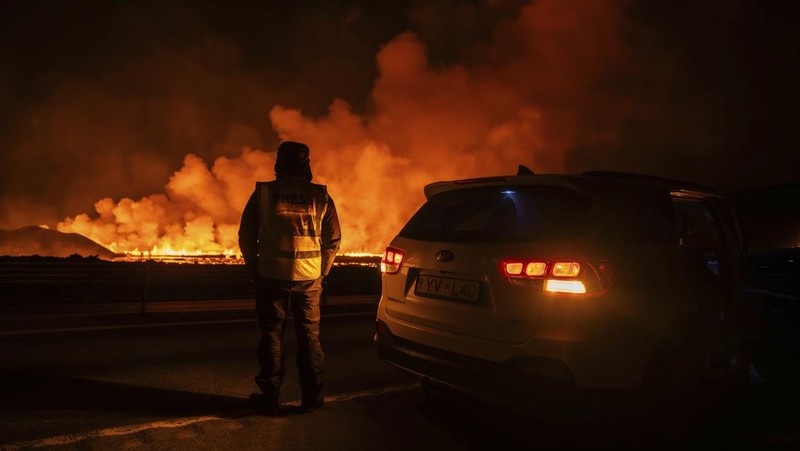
{"type": "Point", "coordinates": [520, 105]}
{"type": "Point", "coordinates": [557, 86]}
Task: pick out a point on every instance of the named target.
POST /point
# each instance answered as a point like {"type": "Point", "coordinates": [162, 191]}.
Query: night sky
{"type": "Point", "coordinates": [104, 99]}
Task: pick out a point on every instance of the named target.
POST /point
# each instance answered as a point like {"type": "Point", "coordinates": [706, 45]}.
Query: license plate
{"type": "Point", "coordinates": [447, 288]}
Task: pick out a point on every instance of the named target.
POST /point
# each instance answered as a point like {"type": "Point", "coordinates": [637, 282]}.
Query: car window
{"type": "Point", "coordinates": [683, 223]}
{"type": "Point", "coordinates": [695, 232]}
{"type": "Point", "coordinates": [501, 213]}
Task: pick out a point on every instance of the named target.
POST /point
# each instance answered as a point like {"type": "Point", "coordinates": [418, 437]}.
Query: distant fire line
{"type": "Point", "coordinates": [232, 258]}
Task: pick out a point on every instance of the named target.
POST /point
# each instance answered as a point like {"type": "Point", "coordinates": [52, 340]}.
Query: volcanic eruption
{"type": "Point", "coordinates": [555, 87]}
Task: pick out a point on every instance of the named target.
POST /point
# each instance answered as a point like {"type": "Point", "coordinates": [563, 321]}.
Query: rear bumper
{"type": "Point", "coordinates": [526, 383]}
{"type": "Point", "coordinates": [572, 346]}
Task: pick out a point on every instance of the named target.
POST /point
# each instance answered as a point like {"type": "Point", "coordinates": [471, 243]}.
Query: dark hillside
{"type": "Point", "coordinates": [34, 240]}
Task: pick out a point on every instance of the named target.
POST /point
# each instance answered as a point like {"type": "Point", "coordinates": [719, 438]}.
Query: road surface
{"type": "Point", "coordinates": [180, 386]}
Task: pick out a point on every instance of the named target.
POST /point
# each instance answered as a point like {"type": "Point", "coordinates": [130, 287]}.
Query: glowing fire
{"type": "Point", "coordinates": [199, 213]}
{"type": "Point", "coordinates": [168, 251]}
{"type": "Point", "coordinates": [427, 122]}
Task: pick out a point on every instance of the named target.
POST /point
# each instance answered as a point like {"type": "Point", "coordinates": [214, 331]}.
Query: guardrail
{"type": "Point", "coordinates": [62, 282]}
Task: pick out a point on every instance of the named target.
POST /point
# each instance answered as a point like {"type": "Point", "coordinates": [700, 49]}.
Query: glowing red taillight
{"type": "Point", "coordinates": [566, 269]}
{"type": "Point", "coordinates": [522, 268]}
{"type": "Point", "coordinates": [560, 276]}
{"type": "Point", "coordinates": [392, 260]}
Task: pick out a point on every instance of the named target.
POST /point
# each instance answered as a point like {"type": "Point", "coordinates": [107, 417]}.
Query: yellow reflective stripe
{"type": "Point", "coordinates": [307, 269]}
{"type": "Point", "coordinates": [291, 269]}
{"type": "Point", "coordinates": [306, 243]}
{"type": "Point", "coordinates": [301, 226]}
{"type": "Point", "coordinates": [298, 254]}
{"type": "Point", "coordinates": [292, 243]}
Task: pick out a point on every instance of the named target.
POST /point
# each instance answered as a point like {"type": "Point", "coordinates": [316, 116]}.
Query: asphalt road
{"type": "Point", "coordinates": [184, 387]}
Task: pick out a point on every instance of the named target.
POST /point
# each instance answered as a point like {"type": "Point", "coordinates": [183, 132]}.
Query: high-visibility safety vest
{"type": "Point", "coordinates": [290, 228]}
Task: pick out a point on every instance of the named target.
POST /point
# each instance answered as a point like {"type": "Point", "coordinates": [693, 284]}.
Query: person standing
{"type": "Point", "coordinates": [289, 235]}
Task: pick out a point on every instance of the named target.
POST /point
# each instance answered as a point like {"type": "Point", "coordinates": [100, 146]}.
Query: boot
{"type": "Point", "coordinates": [266, 402]}
{"type": "Point", "coordinates": [312, 398]}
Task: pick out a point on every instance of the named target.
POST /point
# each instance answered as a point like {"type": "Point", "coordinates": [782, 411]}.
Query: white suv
{"type": "Point", "coordinates": [510, 286]}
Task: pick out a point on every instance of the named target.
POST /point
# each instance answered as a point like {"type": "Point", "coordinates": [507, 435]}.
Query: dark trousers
{"type": "Point", "coordinates": [273, 299]}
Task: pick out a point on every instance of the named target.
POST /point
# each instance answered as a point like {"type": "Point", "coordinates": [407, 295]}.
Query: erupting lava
{"type": "Point", "coordinates": [427, 122]}
{"type": "Point", "coordinates": [169, 252]}
{"type": "Point", "coordinates": [199, 213]}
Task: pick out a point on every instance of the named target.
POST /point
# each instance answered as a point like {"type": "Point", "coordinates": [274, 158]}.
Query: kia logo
{"type": "Point", "coordinates": [445, 256]}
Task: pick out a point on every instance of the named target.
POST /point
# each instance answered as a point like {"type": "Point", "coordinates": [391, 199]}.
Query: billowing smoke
{"type": "Point", "coordinates": [198, 214]}
{"type": "Point", "coordinates": [554, 85]}
{"type": "Point", "coordinates": [426, 123]}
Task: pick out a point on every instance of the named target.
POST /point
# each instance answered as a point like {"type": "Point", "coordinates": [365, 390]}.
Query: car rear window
{"type": "Point", "coordinates": [769, 219]}
{"type": "Point", "coordinates": [501, 213]}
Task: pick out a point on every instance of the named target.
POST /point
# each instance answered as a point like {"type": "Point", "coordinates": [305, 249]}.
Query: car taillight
{"type": "Point", "coordinates": [518, 268]}
{"type": "Point", "coordinates": [560, 276]}
{"type": "Point", "coordinates": [566, 269]}
{"type": "Point", "coordinates": [392, 260]}
{"type": "Point", "coordinates": [564, 286]}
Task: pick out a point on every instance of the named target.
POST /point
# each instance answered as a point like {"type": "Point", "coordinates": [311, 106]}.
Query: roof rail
{"type": "Point", "coordinates": [652, 178]}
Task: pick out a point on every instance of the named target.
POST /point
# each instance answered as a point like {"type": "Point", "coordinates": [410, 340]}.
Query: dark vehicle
{"type": "Point", "coordinates": [519, 288]}
{"type": "Point", "coordinates": [769, 225]}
